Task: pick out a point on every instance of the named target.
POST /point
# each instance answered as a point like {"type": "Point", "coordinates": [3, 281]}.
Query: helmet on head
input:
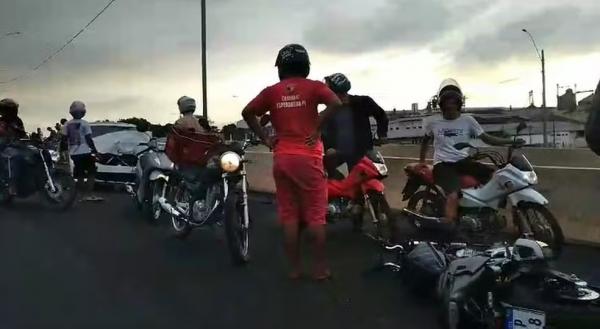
{"type": "Point", "coordinates": [293, 60]}
{"type": "Point", "coordinates": [449, 88]}
{"type": "Point", "coordinates": [186, 105]}
{"type": "Point", "coordinates": [338, 83]}
{"type": "Point", "coordinates": [9, 107]}
{"type": "Point", "coordinates": [77, 109]}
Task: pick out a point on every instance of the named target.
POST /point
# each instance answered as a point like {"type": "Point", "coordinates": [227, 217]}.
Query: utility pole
{"type": "Point", "coordinates": [204, 83]}
{"type": "Point", "coordinates": [544, 109]}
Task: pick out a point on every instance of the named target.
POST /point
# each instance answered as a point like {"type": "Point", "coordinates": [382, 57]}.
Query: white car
{"type": "Point", "coordinates": [117, 144]}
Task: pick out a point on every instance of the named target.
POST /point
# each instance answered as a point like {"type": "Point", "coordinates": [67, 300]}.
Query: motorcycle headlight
{"type": "Point", "coordinates": [230, 161]}
{"type": "Point", "coordinates": [530, 177]}
{"type": "Point", "coordinates": [381, 169]}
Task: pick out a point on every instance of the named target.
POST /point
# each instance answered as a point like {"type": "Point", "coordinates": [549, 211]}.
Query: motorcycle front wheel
{"type": "Point", "coordinates": [237, 233]}
{"type": "Point", "coordinates": [181, 199]}
{"type": "Point", "coordinates": [64, 193]}
{"type": "Point", "coordinates": [151, 209]}
{"type": "Point", "coordinates": [381, 215]}
{"type": "Point", "coordinates": [542, 225]}
{"type": "Point", "coordinates": [427, 204]}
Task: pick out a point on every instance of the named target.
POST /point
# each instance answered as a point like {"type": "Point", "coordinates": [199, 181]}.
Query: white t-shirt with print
{"type": "Point", "coordinates": [447, 133]}
{"type": "Point", "coordinates": [76, 132]}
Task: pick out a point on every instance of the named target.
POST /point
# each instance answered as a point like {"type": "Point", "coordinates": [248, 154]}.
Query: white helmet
{"type": "Point", "coordinates": [77, 109]}
{"type": "Point", "coordinates": [450, 88]}
{"type": "Point", "coordinates": [186, 105]}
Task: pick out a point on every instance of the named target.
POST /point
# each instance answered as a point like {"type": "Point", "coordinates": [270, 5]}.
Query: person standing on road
{"type": "Point", "coordinates": [82, 150]}
{"type": "Point", "coordinates": [298, 151]}
{"type": "Point", "coordinates": [347, 137]}
{"type": "Point", "coordinates": [63, 145]}
{"type": "Point", "coordinates": [447, 131]}
{"type": "Point", "coordinates": [11, 129]}
{"type": "Point", "coordinates": [592, 127]}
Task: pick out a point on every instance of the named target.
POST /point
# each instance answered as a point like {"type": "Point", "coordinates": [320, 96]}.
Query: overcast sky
{"type": "Point", "coordinates": [141, 55]}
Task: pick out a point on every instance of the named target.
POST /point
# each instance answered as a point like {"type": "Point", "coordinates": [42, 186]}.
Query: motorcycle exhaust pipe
{"type": "Point", "coordinates": [428, 222]}
{"type": "Point", "coordinates": [420, 217]}
{"type": "Point", "coordinates": [166, 206]}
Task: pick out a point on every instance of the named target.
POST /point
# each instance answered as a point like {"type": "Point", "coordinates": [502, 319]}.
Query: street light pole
{"type": "Point", "coordinates": [544, 110]}
{"type": "Point", "coordinates": [204, 83]}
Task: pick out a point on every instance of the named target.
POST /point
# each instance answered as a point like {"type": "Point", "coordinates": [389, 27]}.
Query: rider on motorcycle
{"type": "Point", "coordinates": [448, 130]}
{"type": "Point", "coordinates": [298, 151]}
{"type": "Point", "coordinates": [11, 129]}
{"type": "Point", "coordinates": [188, 122]}
{"type": "Point", "coordinates": [347, 137]}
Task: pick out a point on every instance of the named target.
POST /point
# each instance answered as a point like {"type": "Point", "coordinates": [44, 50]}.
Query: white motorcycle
{"type": "Point", "coordinates": [480, 205]}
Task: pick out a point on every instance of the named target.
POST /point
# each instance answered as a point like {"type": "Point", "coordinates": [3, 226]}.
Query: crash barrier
{"type": "Point", "coordinates": [569, 179]}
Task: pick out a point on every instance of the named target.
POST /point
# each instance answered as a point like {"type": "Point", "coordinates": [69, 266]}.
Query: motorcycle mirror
{"type": "Point", "coordinates": [462, 146]}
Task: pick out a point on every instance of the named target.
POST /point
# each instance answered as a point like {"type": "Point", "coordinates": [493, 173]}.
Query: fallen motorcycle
{"type": "Point", "coordinates": [362, 186]}
{"type": "Point", "coordinates": [225, 200]}
{"type": "Point", "coordinates": [498, 287]}
{"type": "Point", "coordinates": [38, 174]}
{"type": "Point", "coordinates": [480, 205]}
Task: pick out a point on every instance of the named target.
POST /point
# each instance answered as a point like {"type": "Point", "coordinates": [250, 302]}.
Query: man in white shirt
{"type": "Point", "coordinates": [447, 131]}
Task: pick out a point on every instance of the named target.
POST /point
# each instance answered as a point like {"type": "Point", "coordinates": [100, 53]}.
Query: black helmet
{"type": "Point", "coordinates": [338, 83]}
{"type": "Point", "coordinates": [9, 107]}
{"type": "Point", "coordinates": [450, 89]}
{"type": "Point", "coordinates": [292, 54]}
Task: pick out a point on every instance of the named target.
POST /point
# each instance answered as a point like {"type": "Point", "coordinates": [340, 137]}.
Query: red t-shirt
{"type": "Point", "coordinates": [294, 115]}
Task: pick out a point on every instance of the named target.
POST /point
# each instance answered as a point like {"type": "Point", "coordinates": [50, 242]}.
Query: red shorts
{"type": "Point", "coordinates": [301, 189]}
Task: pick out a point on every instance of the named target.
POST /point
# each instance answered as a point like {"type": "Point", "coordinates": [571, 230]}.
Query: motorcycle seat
{"type": "Point", "coordinates": [426, 173]}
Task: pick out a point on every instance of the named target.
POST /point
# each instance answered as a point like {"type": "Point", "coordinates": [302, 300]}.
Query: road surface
{"type": "Point", "coordinates": [100, 266]}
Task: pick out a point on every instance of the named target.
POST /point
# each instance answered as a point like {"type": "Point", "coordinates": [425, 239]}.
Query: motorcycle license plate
{"type": "Point", "coordinates": [520, 318]}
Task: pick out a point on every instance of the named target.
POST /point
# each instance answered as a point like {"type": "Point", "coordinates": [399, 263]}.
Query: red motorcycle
{"type": "Point", "coordinates": [362, 188]}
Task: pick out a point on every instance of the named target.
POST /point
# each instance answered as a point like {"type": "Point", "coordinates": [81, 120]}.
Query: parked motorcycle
{"type": "Point", "coordinates": [481, 206]}
{"type": "Point", "coordinates": [37, 174]}
{"type": "Point", "coordinates": [500, 286]}
{"type": "Point", "coordinates": [362, 186]}
{"type": "Point", "coordinates": [152, 174]}
{"type": "Point", "coordinates": [225, 201]}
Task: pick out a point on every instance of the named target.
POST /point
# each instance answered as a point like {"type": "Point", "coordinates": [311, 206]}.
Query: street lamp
{"type": "Point", "coordinates": [204, 91]}
{"type": "Point", "coordinates": [544, 110]}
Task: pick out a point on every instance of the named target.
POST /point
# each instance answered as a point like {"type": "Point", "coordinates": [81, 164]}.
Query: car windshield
{"type": "Point", "coordinates": [103, 130]}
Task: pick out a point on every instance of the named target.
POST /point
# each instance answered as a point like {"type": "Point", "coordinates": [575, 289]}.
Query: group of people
{"type": "Point", "coordinates": [342, 132]}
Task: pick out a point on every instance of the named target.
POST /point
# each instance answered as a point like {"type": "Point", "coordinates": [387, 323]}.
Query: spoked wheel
{"type": "Point", "coordinates": [381, 215]}
{"type": "Point", "coordinates": [427, 204]}
{"type": "Point", "coordinates": [182, 202]}
{"type": "Point", "coordinates": [237, 227]}
{"type": "Point", "coordinates": [64, 193]}
{"type": "Point", "coordinates": [151, 208]}
{"type": "Point", "coordinates": [538, 222]}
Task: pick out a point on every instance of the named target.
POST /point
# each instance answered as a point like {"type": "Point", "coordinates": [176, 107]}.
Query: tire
{"type": "Point", "coordinates": [180, 229]}
{"type": "Point", "coordinates": [65, 194]}
{"type": "Point", "coordinates": [385, 223]}
{"type": "Point", "coordinates": [543, 224]}
{"type": "Point", "coordinates": [422, 199]}
{"type": "Point", "coordinates": [238, 239]}
{"type": "Point", "coordinates": [151, 209]}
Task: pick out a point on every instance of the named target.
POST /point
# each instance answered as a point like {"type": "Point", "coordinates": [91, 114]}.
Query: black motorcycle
{"type": "Point", "coordinates": [498, 287]}
{"type": "Point", "coordinates": [225, 200]}
{"type": "Point", "coordinates": [37, 173]}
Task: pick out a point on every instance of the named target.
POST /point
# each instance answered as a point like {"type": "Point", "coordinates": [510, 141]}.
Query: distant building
{"type": "Point", "coordinates": [567, 102]}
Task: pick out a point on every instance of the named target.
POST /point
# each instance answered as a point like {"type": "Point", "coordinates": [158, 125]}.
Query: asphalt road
{"type": "Point", "coordinates": [100, 266]}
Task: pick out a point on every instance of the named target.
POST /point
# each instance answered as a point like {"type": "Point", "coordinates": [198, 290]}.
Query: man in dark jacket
{"type": "Point", "coordinates": [592, 128]}
{"type": "Point", "coordinates": [348, 137]}
{"type": "Point", "coordinates": [11, 129]}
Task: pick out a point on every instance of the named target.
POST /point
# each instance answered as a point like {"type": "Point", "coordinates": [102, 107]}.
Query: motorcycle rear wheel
{"type": "Point", "coordinates": [179, 227]}
{"type": "Point", "coordinates": [151, 209]}
{"type": "Point", "coordinates": [425, 203]}
{"type": "Point", "coordinates": [385, 223]}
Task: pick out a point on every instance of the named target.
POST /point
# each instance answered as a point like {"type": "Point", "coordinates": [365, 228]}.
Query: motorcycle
{"type": "Point", "coordinates": [481, 207]}
{"type": "Point", "coordinates": [152, 174]}
{"type": "Point", "coordinates": [363, 185]}
{"type": "Point", "coordinates": [500, 286]}
{"type": "Point", "coordinates": [38, 174]}
{"type": "Point", "coordinates": [225, 201]}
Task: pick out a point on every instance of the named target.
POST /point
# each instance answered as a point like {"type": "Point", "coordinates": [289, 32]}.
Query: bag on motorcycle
{"type": "Point", "coordinates": [190, 149]}
{"type": "Point", "coordinates": [425, 264]}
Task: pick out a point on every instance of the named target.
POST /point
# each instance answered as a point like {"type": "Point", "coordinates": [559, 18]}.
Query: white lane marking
{"type": "Point", "coordinates": [417, 159]}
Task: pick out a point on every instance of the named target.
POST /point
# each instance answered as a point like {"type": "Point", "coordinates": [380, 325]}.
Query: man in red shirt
{"type": "Point", "coordinates": [298, 166]}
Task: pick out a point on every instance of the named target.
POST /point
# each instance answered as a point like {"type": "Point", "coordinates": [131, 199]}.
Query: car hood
{"type": "Point", "coordinates": [121, 142]}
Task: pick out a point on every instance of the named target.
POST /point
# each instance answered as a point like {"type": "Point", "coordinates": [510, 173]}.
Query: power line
{"type": "Point", "coordinates": [54, 54]}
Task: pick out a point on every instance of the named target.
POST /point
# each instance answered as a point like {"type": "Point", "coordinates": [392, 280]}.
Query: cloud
{"type": "Point", "coordinates": [561, 30]}
{"type": "Point", "coordinates": [394, 24]}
